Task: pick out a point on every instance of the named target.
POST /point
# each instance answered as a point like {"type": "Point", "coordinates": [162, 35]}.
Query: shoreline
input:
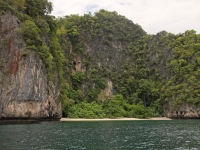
{"type": "Point", "coordinates": [116, 119]}
{"type": "Point", "coordinates": [32, 121]}
{"type": "Point", "coordinates": [17, 120]}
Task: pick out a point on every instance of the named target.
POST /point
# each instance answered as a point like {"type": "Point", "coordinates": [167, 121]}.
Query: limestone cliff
{"type": "Point", "coordinates": [24, 89]}
{"type": "Point", "coordinates": [94, 63]}
{"type": "Point", "coordinates": [173, 60]}
{"type": "Point", "coordinates": [109, 54]}
{"type": "Point", "coordinates": [186, 111]}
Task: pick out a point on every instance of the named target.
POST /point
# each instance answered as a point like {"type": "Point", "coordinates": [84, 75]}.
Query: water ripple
{"type": "Point", "coordinates": [154, 135]}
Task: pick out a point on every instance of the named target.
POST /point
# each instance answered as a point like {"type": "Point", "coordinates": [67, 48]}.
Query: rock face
{"type": "Point", "coordinates": [24, 90]}
{"type": "Point", "coordinates": [186, 111]}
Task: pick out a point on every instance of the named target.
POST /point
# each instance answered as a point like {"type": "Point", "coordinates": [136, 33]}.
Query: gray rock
{"type": "Point", "coordinates": [24, 89]}
{"type": "Point", "coordinates": [185, 111]}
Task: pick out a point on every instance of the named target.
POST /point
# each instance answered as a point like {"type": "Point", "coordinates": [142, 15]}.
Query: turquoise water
{"type": "Point", "coordinates": [107, 135]}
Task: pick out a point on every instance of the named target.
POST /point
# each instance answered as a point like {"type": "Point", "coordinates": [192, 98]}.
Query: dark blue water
{"type": "Point", "coordinates": [107, 135]}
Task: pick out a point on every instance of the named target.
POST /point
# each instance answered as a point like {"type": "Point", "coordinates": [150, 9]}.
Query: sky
{"type": "Point", "coordinates": [175, 16]}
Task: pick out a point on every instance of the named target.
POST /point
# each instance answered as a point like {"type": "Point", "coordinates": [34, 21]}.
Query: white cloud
{"type": "Point", "coordinates": [174, 16]}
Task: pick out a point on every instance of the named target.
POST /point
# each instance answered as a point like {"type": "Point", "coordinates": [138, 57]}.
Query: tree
{"type": "Point", "coordinates": [38, 7]}
{"type": "Point", "coordinates": [144, 90]}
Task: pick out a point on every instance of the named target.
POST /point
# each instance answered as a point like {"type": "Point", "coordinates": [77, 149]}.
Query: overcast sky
{"type": "Point", "coordinates": [175, 16]}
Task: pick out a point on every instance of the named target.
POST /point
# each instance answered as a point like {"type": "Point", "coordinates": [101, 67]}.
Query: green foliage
{"type": "Point", "coordinates": [73, 32]}
{"type": "Point", "coordinates": [1, 64]}
{"type": "Point", "coordinates": [181, 86]}
{"type": "Point", "coordinates": [42, 25]}
{"type": "Point", "coordinates": [11, 5]}
{"type": "Point", "coordinates": [38, 7]}
{"type": "Point", "coordinates": [146, 71]}
{"type": "Point", "coordinates": [139, 111]}
{"type": "Point", "coordinates": [66, 101]}
{"type": "Point", "coordinates": [86, 110]}
{"type": "Point", "coordinates": [30, 33]}
{"type": "Point", "coordinates": [77, 79]}
{"type": "Point", "coordinates": [78, 33]}
{"type": "Point", "coordinates": [115, 107]}
{"type": "Point", "coordinates": [17, 4]}
{"type": "Point", "coordinates": [24, 53]}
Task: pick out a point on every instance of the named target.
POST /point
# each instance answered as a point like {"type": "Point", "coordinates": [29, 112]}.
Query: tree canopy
{"type": "Point", "coordinates": [108, 66]}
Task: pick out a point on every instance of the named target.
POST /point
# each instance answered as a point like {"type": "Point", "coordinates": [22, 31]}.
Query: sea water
{"type": "Point", "coordinates": [102, 135]}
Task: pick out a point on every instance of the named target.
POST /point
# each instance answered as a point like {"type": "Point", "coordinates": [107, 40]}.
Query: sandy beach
{"type": "Point", "coordinates": [116, 119]}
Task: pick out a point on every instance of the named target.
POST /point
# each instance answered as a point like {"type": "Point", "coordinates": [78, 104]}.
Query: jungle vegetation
{"type": "Point", "coordinates": [87, 52]}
